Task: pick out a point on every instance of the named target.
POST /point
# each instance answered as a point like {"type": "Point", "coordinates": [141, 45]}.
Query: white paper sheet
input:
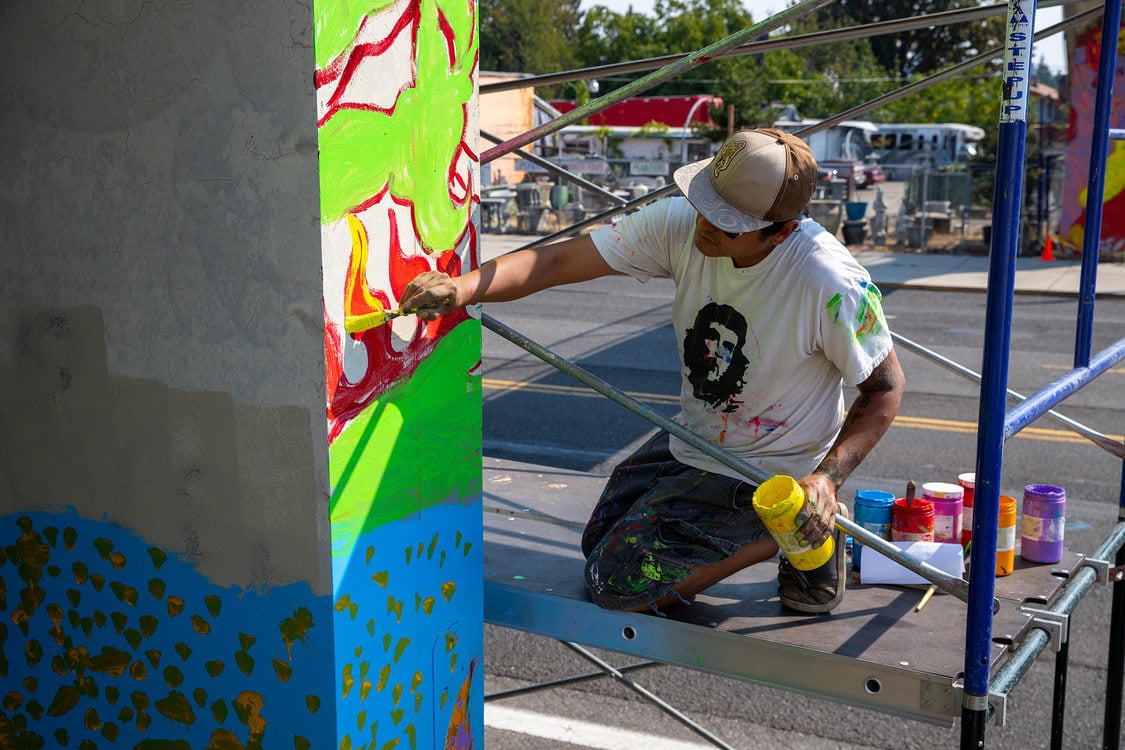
{"type": "Point", "coordinates": [879, 569]}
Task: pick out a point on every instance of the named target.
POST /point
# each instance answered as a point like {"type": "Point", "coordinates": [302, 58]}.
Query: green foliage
{"type": "Point", "coordinates": [536, 37]}
{"type": "Point", "coordinates": [971, 99]}
{"type": "Point", "coordinates": [919, 51]}
{"type": "Point", "coordinates": [528, 36]}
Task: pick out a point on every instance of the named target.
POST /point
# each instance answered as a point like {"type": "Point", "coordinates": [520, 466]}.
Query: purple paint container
{"type": "Point", "coordinates": [1044, 521]}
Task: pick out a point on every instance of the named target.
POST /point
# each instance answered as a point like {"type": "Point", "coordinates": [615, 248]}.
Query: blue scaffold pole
{"type": "Point", "coordinates": [1006, 202]}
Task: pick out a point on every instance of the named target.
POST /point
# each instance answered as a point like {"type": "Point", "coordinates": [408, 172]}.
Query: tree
{"type": "Point", "coordinates": [528, 36]}
{"type": "Point", "coordinates": [918, 51]}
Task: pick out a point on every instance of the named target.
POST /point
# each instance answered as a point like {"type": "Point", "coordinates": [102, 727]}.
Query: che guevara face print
{"type": "Point", "coordinates": [713, 355]}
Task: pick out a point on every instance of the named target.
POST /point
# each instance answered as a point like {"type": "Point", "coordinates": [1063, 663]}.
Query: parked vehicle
{"type": "Point", "coordinates": [873, 174]}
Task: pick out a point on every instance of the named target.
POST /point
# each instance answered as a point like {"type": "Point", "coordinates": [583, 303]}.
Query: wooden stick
{"type": "Point", "coordinates": [926, 597]}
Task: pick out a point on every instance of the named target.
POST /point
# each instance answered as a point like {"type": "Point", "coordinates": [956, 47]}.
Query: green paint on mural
{"type": "Point", "coordinates": [362, 151]}
{"type": "Point", "coordinates": [432, 421]}
{"type": "Point", "coordinates": [336, 23]}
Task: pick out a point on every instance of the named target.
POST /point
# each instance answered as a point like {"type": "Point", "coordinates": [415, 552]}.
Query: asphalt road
{"type": "Point", "coordinates": [620, 331]}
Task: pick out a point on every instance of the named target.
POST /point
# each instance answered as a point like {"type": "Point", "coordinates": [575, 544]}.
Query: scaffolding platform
{"type": "Point", "coordinates": [874, 650]}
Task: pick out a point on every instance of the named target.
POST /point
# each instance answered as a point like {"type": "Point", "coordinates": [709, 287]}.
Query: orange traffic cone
{"type": "Point", "coordinates": [1048, 251]}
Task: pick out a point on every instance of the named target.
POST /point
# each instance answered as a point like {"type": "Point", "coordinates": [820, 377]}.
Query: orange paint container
{"type": "Point", "coordinates": [1006, 537]}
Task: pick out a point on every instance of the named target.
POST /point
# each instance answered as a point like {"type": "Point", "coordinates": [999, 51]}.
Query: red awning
{"type": "Point", "coordinates": [668, 110]}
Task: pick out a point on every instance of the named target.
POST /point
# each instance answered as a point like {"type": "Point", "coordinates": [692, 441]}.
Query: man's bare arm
{"type": "Point", "coordinates": [508, 277]}
{"type": "Point", "coordinates": [869, 417]}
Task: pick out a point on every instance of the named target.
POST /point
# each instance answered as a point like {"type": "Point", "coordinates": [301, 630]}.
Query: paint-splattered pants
{"type": "Point", "coordinates": [658, 519]}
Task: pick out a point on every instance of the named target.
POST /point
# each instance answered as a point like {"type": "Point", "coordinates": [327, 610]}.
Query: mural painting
{"type": "Point", "coordinates": [1083, 89]}
{"type": "Point", "coordinates": [108, 638]}
{"type": "Point", "coordinates": [396, 108]}
{"type": "Point", "coordinates": [88, 659]}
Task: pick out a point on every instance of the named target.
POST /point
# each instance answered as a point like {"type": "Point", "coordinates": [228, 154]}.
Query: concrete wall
{"type": "Point", "coordinates": [199, 541]}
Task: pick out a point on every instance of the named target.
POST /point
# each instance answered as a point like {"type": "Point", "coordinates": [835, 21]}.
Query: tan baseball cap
{"type": "Point", "coordinates": [757, 177]}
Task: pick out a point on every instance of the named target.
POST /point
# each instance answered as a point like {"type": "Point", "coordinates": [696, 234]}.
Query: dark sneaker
{"type": "Point", "coordinates": [818, 590]}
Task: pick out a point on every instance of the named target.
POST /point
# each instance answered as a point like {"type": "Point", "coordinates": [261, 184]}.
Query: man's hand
{"type": "Point", "coordinates": [819, 512]}
{"type": "Point", "coordinates": [431, 294]}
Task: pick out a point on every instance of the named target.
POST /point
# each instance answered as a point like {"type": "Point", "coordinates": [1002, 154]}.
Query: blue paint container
{"type": "Point", "coordinates": [872, 512]}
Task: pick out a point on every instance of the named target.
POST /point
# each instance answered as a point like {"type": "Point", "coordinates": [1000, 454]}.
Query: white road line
{"type": "Point", "coordinates": [575, 732]}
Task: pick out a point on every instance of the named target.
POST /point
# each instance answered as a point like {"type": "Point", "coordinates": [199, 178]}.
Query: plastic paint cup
{"type": "Point", "coordinates": [873, 510]}
{"type": "Point", "coordinates": [912, 523]}
{"type": "Point", "coordinates": [968, 482]}
{"type": "Point", "coordinates": [1006, 537]}
{"type": "Point", "coordinates": [778, 501]}
{"type": "Point", "coordinates": [1044, 522]}
{"type": "Point", "coordinates": [948, 505]}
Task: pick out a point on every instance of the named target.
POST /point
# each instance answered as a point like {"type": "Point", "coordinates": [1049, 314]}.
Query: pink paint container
{"type": "Point", "coordinates": [968, 483]}
{"type": "Point", "coordinates": [1044, 521]}
{"type": "Point", "coordinates": [948, 506]}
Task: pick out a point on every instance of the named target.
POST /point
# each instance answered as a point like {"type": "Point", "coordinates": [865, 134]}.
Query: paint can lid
{"type": "Point", "coordinates": [1045, 492]}
{"type": "Point", "coordinates": [874, 498]}
{"type": "Point", "coordinates": [942, 491]}
{"type": "Point", "coordinates": [967, 480]}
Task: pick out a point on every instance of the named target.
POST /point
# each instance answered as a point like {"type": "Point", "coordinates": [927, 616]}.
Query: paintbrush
{"type": "Point", "coordinates": [374, 319]}
{"type": "Point", "coordinates": [926, 597]}
{"type": "Point", "coordinates": [909, 494]}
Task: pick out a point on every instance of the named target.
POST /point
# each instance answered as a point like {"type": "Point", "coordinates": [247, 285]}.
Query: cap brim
{"type": "Point", "coordinates": [694, 182]}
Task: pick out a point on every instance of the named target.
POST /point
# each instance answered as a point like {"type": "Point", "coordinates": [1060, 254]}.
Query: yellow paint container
{"type": "Point", "coordinates": [778, 501]}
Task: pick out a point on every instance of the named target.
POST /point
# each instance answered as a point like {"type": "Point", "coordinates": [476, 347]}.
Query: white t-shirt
{"type": "Point", "coordinates": [765, 349]}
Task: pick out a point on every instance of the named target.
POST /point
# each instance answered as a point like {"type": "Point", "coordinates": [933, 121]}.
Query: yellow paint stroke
{"type": "Point", "coordinates": [362, 310]}
{"type": "Point", "coordinates": [245, 662]}
{"type": "Point", "coordinates": [448, 589]}
{"type": "Point", "coordinates": [1114, 175]}
{"type": "Point", "coordinates": [251, 704]}
{"type": "Point", "coordinates": [176, 707]}
{"type": "Point", "coordinates": [282, 670]}
{"type": "Point", "coordinates": [347, 679]}
{"type": "Point", "coordinates": [400, 647]}
{"type": "Point", "coordinates": [214, 605]}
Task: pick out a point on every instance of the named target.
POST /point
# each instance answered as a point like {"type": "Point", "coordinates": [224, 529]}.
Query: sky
{"type": "Point", "coordinates": [1051, 50]}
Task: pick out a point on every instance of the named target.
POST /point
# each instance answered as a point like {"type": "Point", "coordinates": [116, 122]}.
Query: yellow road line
{"type": "Point", "coordinates": [1068, 368]}
{"type": "Point", "coordinates": [918, 423]}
